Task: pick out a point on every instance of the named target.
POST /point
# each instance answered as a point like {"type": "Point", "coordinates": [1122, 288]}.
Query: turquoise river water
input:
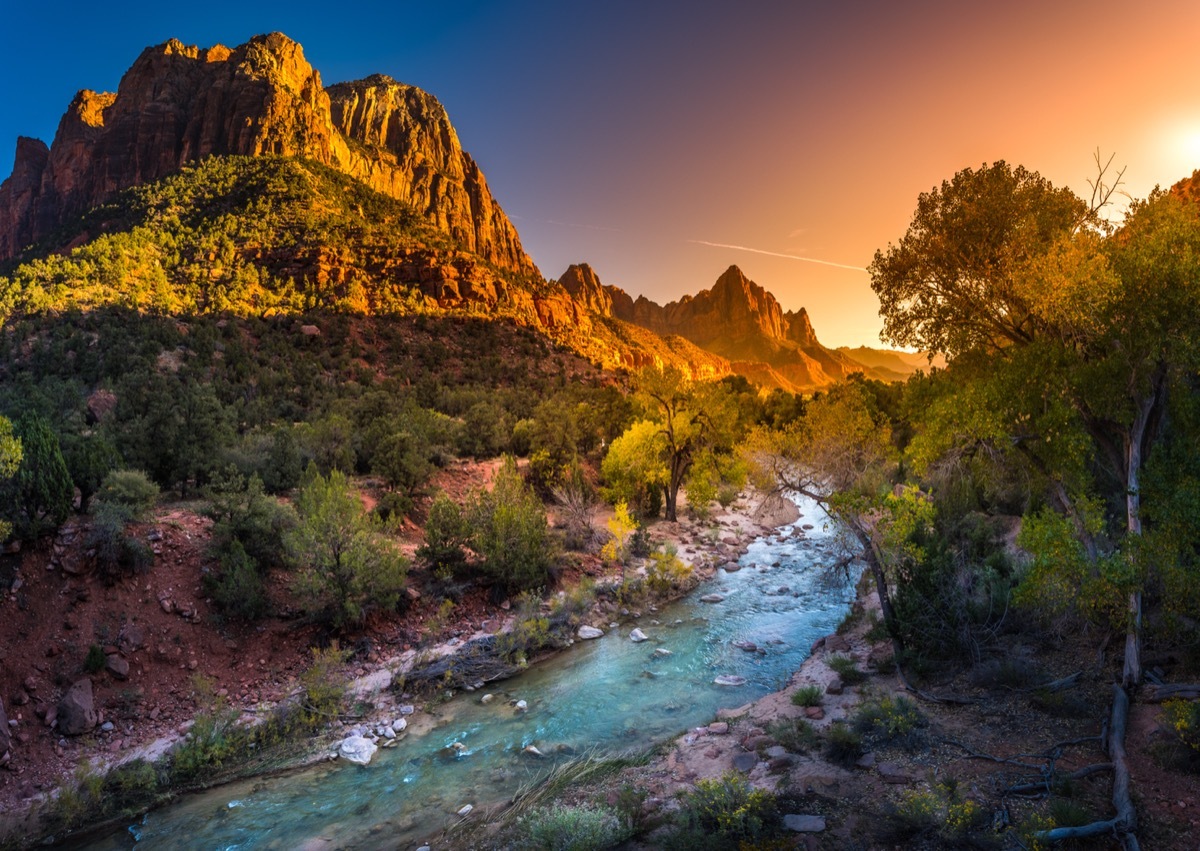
{"type": "Point", "coordinates": [609, 695]}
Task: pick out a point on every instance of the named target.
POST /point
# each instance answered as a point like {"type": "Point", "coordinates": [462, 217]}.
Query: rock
{"type": "Point", "coordinates": [407, 709]}
{"type": "Point", "coordinates": [132, 638]}
{"type": "Point", "coordinates": [107, 727]}
{"type": "Point", "coordinates": [718, 728]}
{"type": "Point", "coordinates": [814, 713]}
{"type": "Point", "coordinates": [387, 732]}
{"type": "Point", "coordinates": [465, 811]}
{"type": "Point", "coordinates": [744, 762]}
{"type": "Point", "coordinates": [776, 751]}
{"type": "Point", "coordinates": [589, 632]}
{"type": "Point", "coordinates": [731, 567]}
{"type": "Point", "coordinates": [891, 773]}
{"type": "Point", "coordinates": [458, 747]}
{"type": "Point", "coordinates": [357, 749]}
{"type": "Point", "coordinates": [399, 725]}
{"type": "Point", "coordinates": [179, 103]}
{"type": "Point", "coordinates": [748, 646]}
{"type": "Point", "coordinates": [117, 666]}
{"type": "Point", "coordinates": [730, 680]}
{"type": "Point", "coordinates": [662, 651]}
{"type": "Point", "coordinates": [637, 635]}
{"type": "Point", "coordinates": [804, 824]}
{"type": "Point", "coordinates": [712, 598]}
{"type": "Point", "coordinates": [835, 686]}
{"type": "Point", "coordinates": [836, 644]}
{"type": "Point", "coordinates": [77, 711]}
{"type": "Point", "coordinates": [487, 698]}
{"type": "Point", "coordinates": [532, 751]}
{"type": "Point", "coordinates": [867, 760]}
{"type": "Point", "coordinates": [166, 605]}
{"type": "Point", "coordinates": [521, 705]}
{"type": "Point", "coordinates": [310, 330]}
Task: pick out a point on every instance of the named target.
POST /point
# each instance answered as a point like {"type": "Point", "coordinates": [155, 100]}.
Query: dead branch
{"type": "Point", "coordinates": [1057, 685]}
{"type": "Point", "coordinates": [974, 754]}
{"type": "Point", "coordinates": [1180, 691]}
{"type": "Point", "coordinates": [1124, 824]}
{"type": "Point", "coordinates": [1044, 786]}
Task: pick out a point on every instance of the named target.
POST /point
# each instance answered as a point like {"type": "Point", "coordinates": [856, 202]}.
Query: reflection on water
{"type": "Point", "coordinates": [608, 694]}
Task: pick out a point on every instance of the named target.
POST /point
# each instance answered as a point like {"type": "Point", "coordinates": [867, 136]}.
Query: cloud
{"type": "Point", "coordinates": [775, 254]}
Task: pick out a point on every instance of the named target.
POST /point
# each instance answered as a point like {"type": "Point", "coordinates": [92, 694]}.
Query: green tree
{"type": "Point", "coordinates": [511, 533]}
{"type": "Point", "coordinates": [447, 536]}
{"type": "Point", "coordinates": [10, 461]}
{"type": "Point", "coordinates": [346, 566]}
{"type": "Point", "coordinates": [89, 459]}
{"type": "Point", "coordinates": [43, 489]}
{"type": "Point", "coordinates": [402, 460]}
{"type": "Point", "coordinates": [634, 470]}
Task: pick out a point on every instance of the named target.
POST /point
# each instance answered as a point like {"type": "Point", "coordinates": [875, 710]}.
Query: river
{"type": "Point", "coordinates": [609, 695]}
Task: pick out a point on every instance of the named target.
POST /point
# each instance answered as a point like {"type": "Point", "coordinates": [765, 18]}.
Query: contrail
{"type": "Point", "coordinates": [775, 254]}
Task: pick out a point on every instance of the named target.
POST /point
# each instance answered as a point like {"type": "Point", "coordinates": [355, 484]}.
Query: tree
{"type": "Point", "coordinates": [10, 462]}
{"type": "Point", "coordinates": [634, 471]}
{"type": "Point", "coordinates": [692, 418]}
{"type": "Point", "coordinates": [43, 489]}
{"type": "Point", "coordinates": [346, 566]}
{"type": "Point", "coordinates": [402, 460]}
{"type": "Point", "coordinates": [511, 533]}
{"type": "Point", "coordinates": [447, 536]}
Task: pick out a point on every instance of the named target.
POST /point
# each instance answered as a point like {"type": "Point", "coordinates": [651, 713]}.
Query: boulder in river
{"type": "Point", "coordinates": [637, 635]}
{"type": "Point", "coordinates": [357, 749]}
{"type": "Point", "coordinates": [730, 680]}
{"type": "Point", "coordinates": [712, 598]}
{"type": "Point", "coordinates": [589, 632]}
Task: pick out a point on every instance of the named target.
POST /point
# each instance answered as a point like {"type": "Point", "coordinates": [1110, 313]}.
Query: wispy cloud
{"type": "Point", "coordinates": [775, 254]}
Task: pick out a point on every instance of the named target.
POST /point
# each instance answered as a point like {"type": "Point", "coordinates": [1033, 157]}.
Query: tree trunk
{"type": "Point", "coordinates": [1131, 675]}
{"type": "Point", "coordinates": [881, 587]}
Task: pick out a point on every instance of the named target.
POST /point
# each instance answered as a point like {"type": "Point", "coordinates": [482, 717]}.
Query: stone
{"type": "Point", "coordinates": [388, 732]}
{"type": "Point", "coordinates": [730, 680]}
{"type": "Point", "coordinates": [867, 760]}
{"type": "Point", "coordinates": [718, 728]}
{"type": "Point", "coordinates": [776, 751]}
{"type": "Point", "coordinates": [712, 598]}
{"type": "Point", "coordinates": [637, 635]}
{"type": "Point", "coordinates": [835, 686]}
{"type": "Point", "coordinates": [399, 725]}
{"type": "Point", "coordinates": [107, 727]}
{"type": "Point", "coordinates": [589, 632]}
{"type": "Point", "coordinates": [77, 711]}
{"type": "Point", "coordinates": [892, 773]}
{"type": "Point", "coordinates": [465, 811]}
{"type": "Point", "coordinates": [487, 698]}
{"type": "Point", "coordinates": [731, 567]}
{"type": "Point", "coordinates": [836, 644]}
{"type": "Point", "coordinates": [532, 751]}
{"type": "Point", "coordinates": [814, 713]}
{"type": "Point", "coordinates": [744, 762]}
{"type": "Point", "coordinates": [662, 651]}
{"type": "Point", "coordinates": [116, 666]}
{"type": "Point", "coordinates": [804, 824]}
{"type": "Point", "coordinates": [132, 638]}
{"type": "Point", "coordinates": [407, 709]}
{"type": "Point", "coordinates": [521, 705]}
{"type": "Point", "coordinates": [357, 749]}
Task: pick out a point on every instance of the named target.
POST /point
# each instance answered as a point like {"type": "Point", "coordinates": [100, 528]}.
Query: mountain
{"type": "Point", "coordinates": [736, 319]}
{"type": "Point", "coordinates": [889, 361]}
{"type": "Point", "coordinates": [178, 104]}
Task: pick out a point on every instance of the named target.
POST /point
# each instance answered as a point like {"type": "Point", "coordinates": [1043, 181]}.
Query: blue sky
{"type": "Point", "coordinates": [664, 142]}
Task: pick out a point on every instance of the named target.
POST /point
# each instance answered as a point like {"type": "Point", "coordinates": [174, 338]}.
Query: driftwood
{"type": "Point", "coordinates": [1159, 693]}
{"type": "Point", "coordinates": [1124, 824]}
{"type": "Point", "coordinates": [479, 661]}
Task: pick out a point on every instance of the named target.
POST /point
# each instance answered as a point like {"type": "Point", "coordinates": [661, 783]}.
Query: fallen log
{"type": "Point", "coordinates": [1057, 685]}
{"type": "Point", "coordinates": [1044, 786]}
{"type": "Point", "coordinates": [1181, 691]}
{"type": "Point", "coordinates": [1124, 824]}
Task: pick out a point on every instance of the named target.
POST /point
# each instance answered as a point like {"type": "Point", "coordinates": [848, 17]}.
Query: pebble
{"type": "Point", "coordinates": [521, 706]}
{"type": "Point", "coordinates": [466, 811]}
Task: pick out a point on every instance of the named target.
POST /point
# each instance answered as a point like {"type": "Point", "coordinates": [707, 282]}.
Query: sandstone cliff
{"type": "Point", "coordinates": [736, 319]}
{"type": "Point", "coordinates": [178, 104]}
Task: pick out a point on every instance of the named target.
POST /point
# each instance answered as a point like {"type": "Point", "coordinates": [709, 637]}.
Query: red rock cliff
{"type": "Point", "coordinates": [179, 103]}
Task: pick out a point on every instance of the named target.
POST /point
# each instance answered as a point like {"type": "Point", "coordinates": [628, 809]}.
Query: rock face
{"type": "Point", "coordinates": [736, 319]}
{"type": "Point", "coordinates": [77, 711]}
{"type": "Point", "coordinates": [177, 104]}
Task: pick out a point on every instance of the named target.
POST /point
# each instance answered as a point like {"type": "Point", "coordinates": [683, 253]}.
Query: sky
{"type": "Point", "coordinates": [663, 142]}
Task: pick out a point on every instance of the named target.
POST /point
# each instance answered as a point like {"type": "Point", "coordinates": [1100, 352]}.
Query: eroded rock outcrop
{"type": "Point", "coordinates": [178, 104]}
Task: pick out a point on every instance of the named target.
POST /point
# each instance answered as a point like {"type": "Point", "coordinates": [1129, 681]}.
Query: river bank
{"type": "Point", "coordinates": [374, 703]}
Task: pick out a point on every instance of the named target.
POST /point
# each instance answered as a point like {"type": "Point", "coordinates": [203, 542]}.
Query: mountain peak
{"type": "Point", "coordinates": [180, 103]}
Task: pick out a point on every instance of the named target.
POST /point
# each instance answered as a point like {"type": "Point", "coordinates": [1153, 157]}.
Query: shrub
{"type": "Point", "coordinates": [511, 533]}
{"type": "Point", "coordinates": [573, 828]}
{"type": "Point", "coordinates": [893, 720]}
{"type": "Point", "coordinates": [238, 588]}
{"type": "Point", "coordinates": [844, 746]}
{"type": "Point", "coordinates": [94, 662]}
{"type": "Point", "coordinates": [131, 489]}
{"type": "Point", "coordinates": [937, 812]}
{"type": "Point", "coordinates": [241, 511]}
{"type": "Point", "coordinates": [116, 552]}
{"type": "Point", "coordinates": [721, 813]}
{"type": "Point", "coordinates": [324, 690]}
{"type": "Point", "coordinates": [845, 668]}
{"type": "Point", "coordinates": [667, 572]}
{"type": "Point", "coordinates": [795, 734]}
{"type": "Point", "coordinates": [808, 696]}
{"type": "Point", "coordinates": [446, 536]}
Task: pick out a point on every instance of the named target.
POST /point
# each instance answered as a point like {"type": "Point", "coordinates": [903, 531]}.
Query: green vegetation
{"type": "Point", "coordinates": [724, 813]}
{"type": "Point", "coordinates": [847, 669]}
{"type": "Point", "coordinates": [810, 695]}
{"type": "Point", "coordinates": [573, 828]}
{"type": "Point", "coordinates": [891, 720]}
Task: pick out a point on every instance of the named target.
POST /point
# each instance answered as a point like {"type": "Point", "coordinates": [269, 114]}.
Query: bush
{"type": "Point", "coordinates": [893, 720]}
{"type": "Point", "coordinates": [116, 552]}
{"type": "Point", "coordinates": [666, 572]}
{"type": "Point", "coordinates": [808, 696]}
{"type": "Point", "coordinates": [795, 734]}
{"type": "Point", "coordinates": [845, 668]}
{"type": "Point", "coordinates": [844, 746]}
{"type": "Point", "coordinates": [935, 813]}
{"type": "Point", "coordinates": [446, 537]}
{"type": "Point", "coordinates": [238, 588]}
{"type": "Point", "coordinates": [241, 511]}
{"type": "Point", "coordinates": [511, 533]}
{"type": "Point", "coordinates": [573, 828]}
{"type": "Point", "coordinates": [324, 689]}
{"type": "Point", "coordinates": [720, 814]}
{"type": "Point", "coordinates": [94, 662]}
{"type": "Point", "coordinates": [131, 489]}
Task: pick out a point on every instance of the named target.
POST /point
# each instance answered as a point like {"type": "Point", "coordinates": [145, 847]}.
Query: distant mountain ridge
{"type": "Point", "coordinates": [178, 104]}
{"type": "Point", "coordinates": [741, 321]}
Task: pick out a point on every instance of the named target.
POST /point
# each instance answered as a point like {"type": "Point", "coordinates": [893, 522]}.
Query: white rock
{"type": "Point", "coordinates": [637, 635]}
{"type": "Point", "coordinates": [662, 651]}
{"type": "Point", "coordinates": [487, 698]}
{"type": "Point", "coordinates": [399, 725]}
{"type": "Point", "coordinates": [588, 632]}
{"type": "Point", "coordinates": [730, 680]}
{"type": "Point", "coordinates": [522, 706]}
{"type": "Point", "coordinates": [712, 598]}
{"type": "Point", "coordinates": [357, 749]}
{"type": "Point", "coordinates": [387, 732]}
{"type": "Point", "coordinates": [466, 811]}
{"type": "Point", "coordinates": [532, 751]}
